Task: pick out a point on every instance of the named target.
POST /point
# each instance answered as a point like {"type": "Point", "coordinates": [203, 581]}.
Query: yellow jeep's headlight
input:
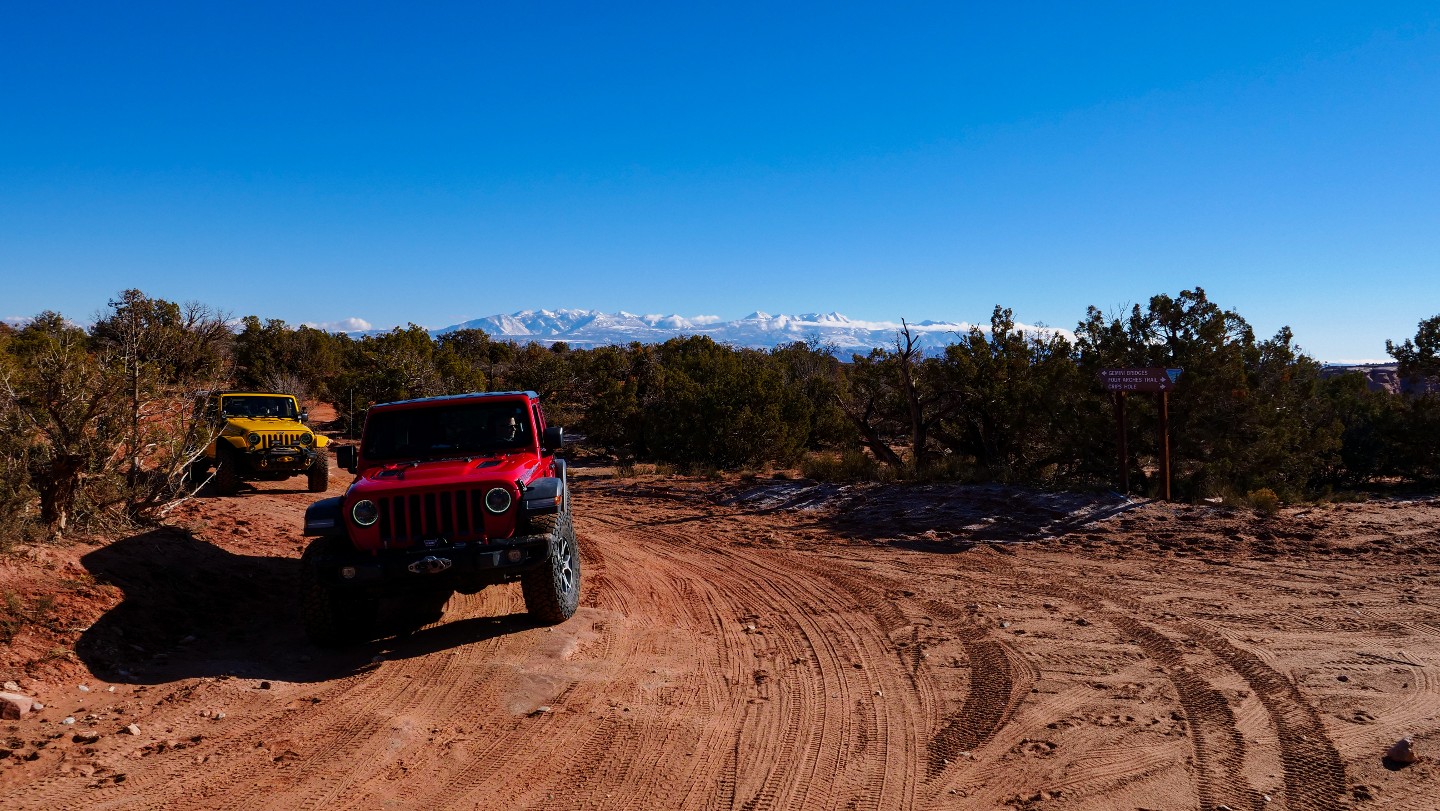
{"type": "Point", "coordinates": [307, 439]}
{"type": "Point", "coordinates": [252, 439]}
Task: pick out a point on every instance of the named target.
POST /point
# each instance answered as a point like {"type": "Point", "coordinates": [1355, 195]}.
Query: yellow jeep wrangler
{"type": "Point", "coordinates": [258, 436]}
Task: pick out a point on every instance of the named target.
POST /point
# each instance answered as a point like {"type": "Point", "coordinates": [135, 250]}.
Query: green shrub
{"type": "Point", "coordinates": [1264, 501]}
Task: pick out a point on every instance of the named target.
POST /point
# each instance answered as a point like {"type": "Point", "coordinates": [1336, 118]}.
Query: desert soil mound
{"type": "Point", "coordinates": [761, 645]}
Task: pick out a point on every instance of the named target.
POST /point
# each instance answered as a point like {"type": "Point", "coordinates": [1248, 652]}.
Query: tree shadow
{"type": "Point", "coordinates": [194, 609]}
{"type": "Point", "coordinates": [941, 517]}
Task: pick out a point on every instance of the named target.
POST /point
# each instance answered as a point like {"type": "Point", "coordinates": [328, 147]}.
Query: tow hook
{"type": "Point", "coordinates": [430, 565]}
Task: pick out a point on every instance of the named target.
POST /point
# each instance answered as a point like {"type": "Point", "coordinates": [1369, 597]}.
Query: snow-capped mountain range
{"type": "Point", "coordinates": [589, 328]}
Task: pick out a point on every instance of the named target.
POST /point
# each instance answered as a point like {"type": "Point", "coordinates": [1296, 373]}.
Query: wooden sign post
{"type": "Point", "coordinates": [1159, 381]}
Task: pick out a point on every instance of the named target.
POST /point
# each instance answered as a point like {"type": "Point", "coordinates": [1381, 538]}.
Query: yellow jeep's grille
{"type": "Point", "coordinates": [288, 439]}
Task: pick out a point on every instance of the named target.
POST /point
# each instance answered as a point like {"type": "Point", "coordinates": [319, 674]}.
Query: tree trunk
{"type": "Point", "coordinates": [870, 437]}
{"type": "Point", "coordinates": [58, 483]}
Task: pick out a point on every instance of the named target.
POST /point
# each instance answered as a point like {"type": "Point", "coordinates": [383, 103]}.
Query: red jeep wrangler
{"type": "Point", "coordinates": [451, 494]}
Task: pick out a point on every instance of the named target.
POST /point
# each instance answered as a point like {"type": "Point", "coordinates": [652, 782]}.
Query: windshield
{"type": "Point", "coordinates": [465, 429]}
{"type": "Point", "coordinates": [257, 405]}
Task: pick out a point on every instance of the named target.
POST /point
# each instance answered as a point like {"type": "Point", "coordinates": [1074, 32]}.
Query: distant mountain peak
{"type": "Point", "coordinates": [759, 330]}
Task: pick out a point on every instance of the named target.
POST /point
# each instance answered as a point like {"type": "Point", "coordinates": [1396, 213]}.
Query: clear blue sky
{"type": "Point", "coordinates": [433, 163]}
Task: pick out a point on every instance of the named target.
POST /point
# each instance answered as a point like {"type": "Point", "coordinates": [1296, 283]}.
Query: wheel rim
{"type": "Point", "coordinates": [565, 570]}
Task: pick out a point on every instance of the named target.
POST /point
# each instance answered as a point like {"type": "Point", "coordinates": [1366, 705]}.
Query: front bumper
{"type": "Point", "coordinates": [456, 566]}
{"type": "Point", "coordinates": [280, 459]}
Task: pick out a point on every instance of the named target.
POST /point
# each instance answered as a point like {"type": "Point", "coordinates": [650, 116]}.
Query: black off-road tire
{"type": "Point", "coordinates": [195, 473]}
{"type": "Point", "coordinates": [319, 474]}
{"type": "Point", "coordinates": [552, 592]}
{"type": "Point", "coordinates": [227, 472]}
{"type": "Point", "coordinates": [331, 615]}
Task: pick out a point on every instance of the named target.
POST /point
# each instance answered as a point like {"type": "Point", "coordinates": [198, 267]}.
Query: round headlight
{"type": "Point", "coordinates": [306, 439]}
{"type": "Point", "coordinates": [497, 500]}
{"type": "Point", "coordinates": [365, 512]}
{"type": "Point", "coordinates": [252, 439]}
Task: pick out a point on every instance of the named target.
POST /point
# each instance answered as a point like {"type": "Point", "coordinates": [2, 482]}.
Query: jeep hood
{"type": "Point", "coordinates": [449, 472]}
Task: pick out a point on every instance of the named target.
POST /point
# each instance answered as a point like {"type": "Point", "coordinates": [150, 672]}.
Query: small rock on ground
{"type": "Point", "coordinates": [1402, 752]}
{"type": "Point", "coordinates": [14, 705]}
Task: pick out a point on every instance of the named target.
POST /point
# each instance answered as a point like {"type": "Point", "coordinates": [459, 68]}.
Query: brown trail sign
{"type": "Point", "coordinates": [1153, 379]}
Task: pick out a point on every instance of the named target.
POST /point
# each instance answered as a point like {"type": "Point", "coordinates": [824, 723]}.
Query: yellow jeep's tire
{"type": "Point", "coordinates": [195, 474]}
{"type": "Point", "coordinates": [332, 616]}
{"type": "Point", "coordinates": [227, 472]}
{"type": "Point", "coordinates": [552, 592]}
{"type": "Point", "coordinates": [319, 474]}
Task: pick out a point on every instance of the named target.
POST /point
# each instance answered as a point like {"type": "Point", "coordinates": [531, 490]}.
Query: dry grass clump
{"type": "Point", "coordinates": [632, 469]}
{"type": "Point", "coordinates": [14, 614]}
{"type": "Point", "coordinates": [850, 466]}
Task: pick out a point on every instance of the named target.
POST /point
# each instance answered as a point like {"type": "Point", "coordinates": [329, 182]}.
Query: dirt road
{"type": "Point", "coordinates": [776, 646]}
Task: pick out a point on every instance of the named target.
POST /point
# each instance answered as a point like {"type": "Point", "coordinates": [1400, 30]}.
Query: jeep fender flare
{"type": "Point", "coordinates": [547, 495]}
{"type": "Point", "coordinates": [324, 517]}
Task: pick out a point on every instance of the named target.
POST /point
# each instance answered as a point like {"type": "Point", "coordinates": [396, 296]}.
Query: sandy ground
{"type": "Point", "coordinates": [758, 645]}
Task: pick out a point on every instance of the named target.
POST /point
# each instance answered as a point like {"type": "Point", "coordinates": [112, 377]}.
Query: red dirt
{"type": "Point", "coordinates": [762, 645]}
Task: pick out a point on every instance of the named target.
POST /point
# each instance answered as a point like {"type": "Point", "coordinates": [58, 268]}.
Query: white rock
{"type": "Point", "coordinates": [12, 687]}
{"type": "Point", "coordinates": [69, 719]}
{"type": "Point", "coordinates": [133, 729]}
{"type": "Point", "coordinates": [84, 688]}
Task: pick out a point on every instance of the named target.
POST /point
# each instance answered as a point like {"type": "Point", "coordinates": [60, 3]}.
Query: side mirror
{"type": "Point", "coordinates": [304, 415]}
{"type": "Point", "coordinates": [554, 438]}
{"type": "Point", "coordinates": [345, 457]}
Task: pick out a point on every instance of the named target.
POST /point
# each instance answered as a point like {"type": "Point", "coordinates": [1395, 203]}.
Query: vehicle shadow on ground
{"type": "Point", "coordinates": [249, 489]}
{"type": "Point", "coordinates": [193, 609]}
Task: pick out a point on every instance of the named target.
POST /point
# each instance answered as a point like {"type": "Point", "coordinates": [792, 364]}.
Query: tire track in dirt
{"type": "Point", "coordinates": [341, 760]}
{"type": "Point", "coordinates": [789, 746]}
{"type": "Point", "coordinates": [1314, 771]}
{"type": "Point", "coordinates": [534, 737]}
{"type": "Point", "coordinates": [1314, 774]}
{"type": "Point", "coordinates": [783, 735]}
{"type": "Point", "coordinates": [998, 677]}
{"type": "Point", "coordinates": [988, 706]}
{"type": "Point", "coordinates": [619, 748]}
{"type": "Point", "coordinates": [177, 766]}
{"type": "Point", "coordinates": [1219, 746]}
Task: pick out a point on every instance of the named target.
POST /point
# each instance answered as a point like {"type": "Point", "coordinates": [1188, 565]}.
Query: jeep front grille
{"type": "Point", "coordinates": [455, 515]}
{"type": "Point", "coordinates": [287, 439]}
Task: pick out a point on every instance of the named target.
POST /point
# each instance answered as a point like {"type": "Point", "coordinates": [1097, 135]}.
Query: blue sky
{"type": "Point", "coordinates": [433, 163]}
